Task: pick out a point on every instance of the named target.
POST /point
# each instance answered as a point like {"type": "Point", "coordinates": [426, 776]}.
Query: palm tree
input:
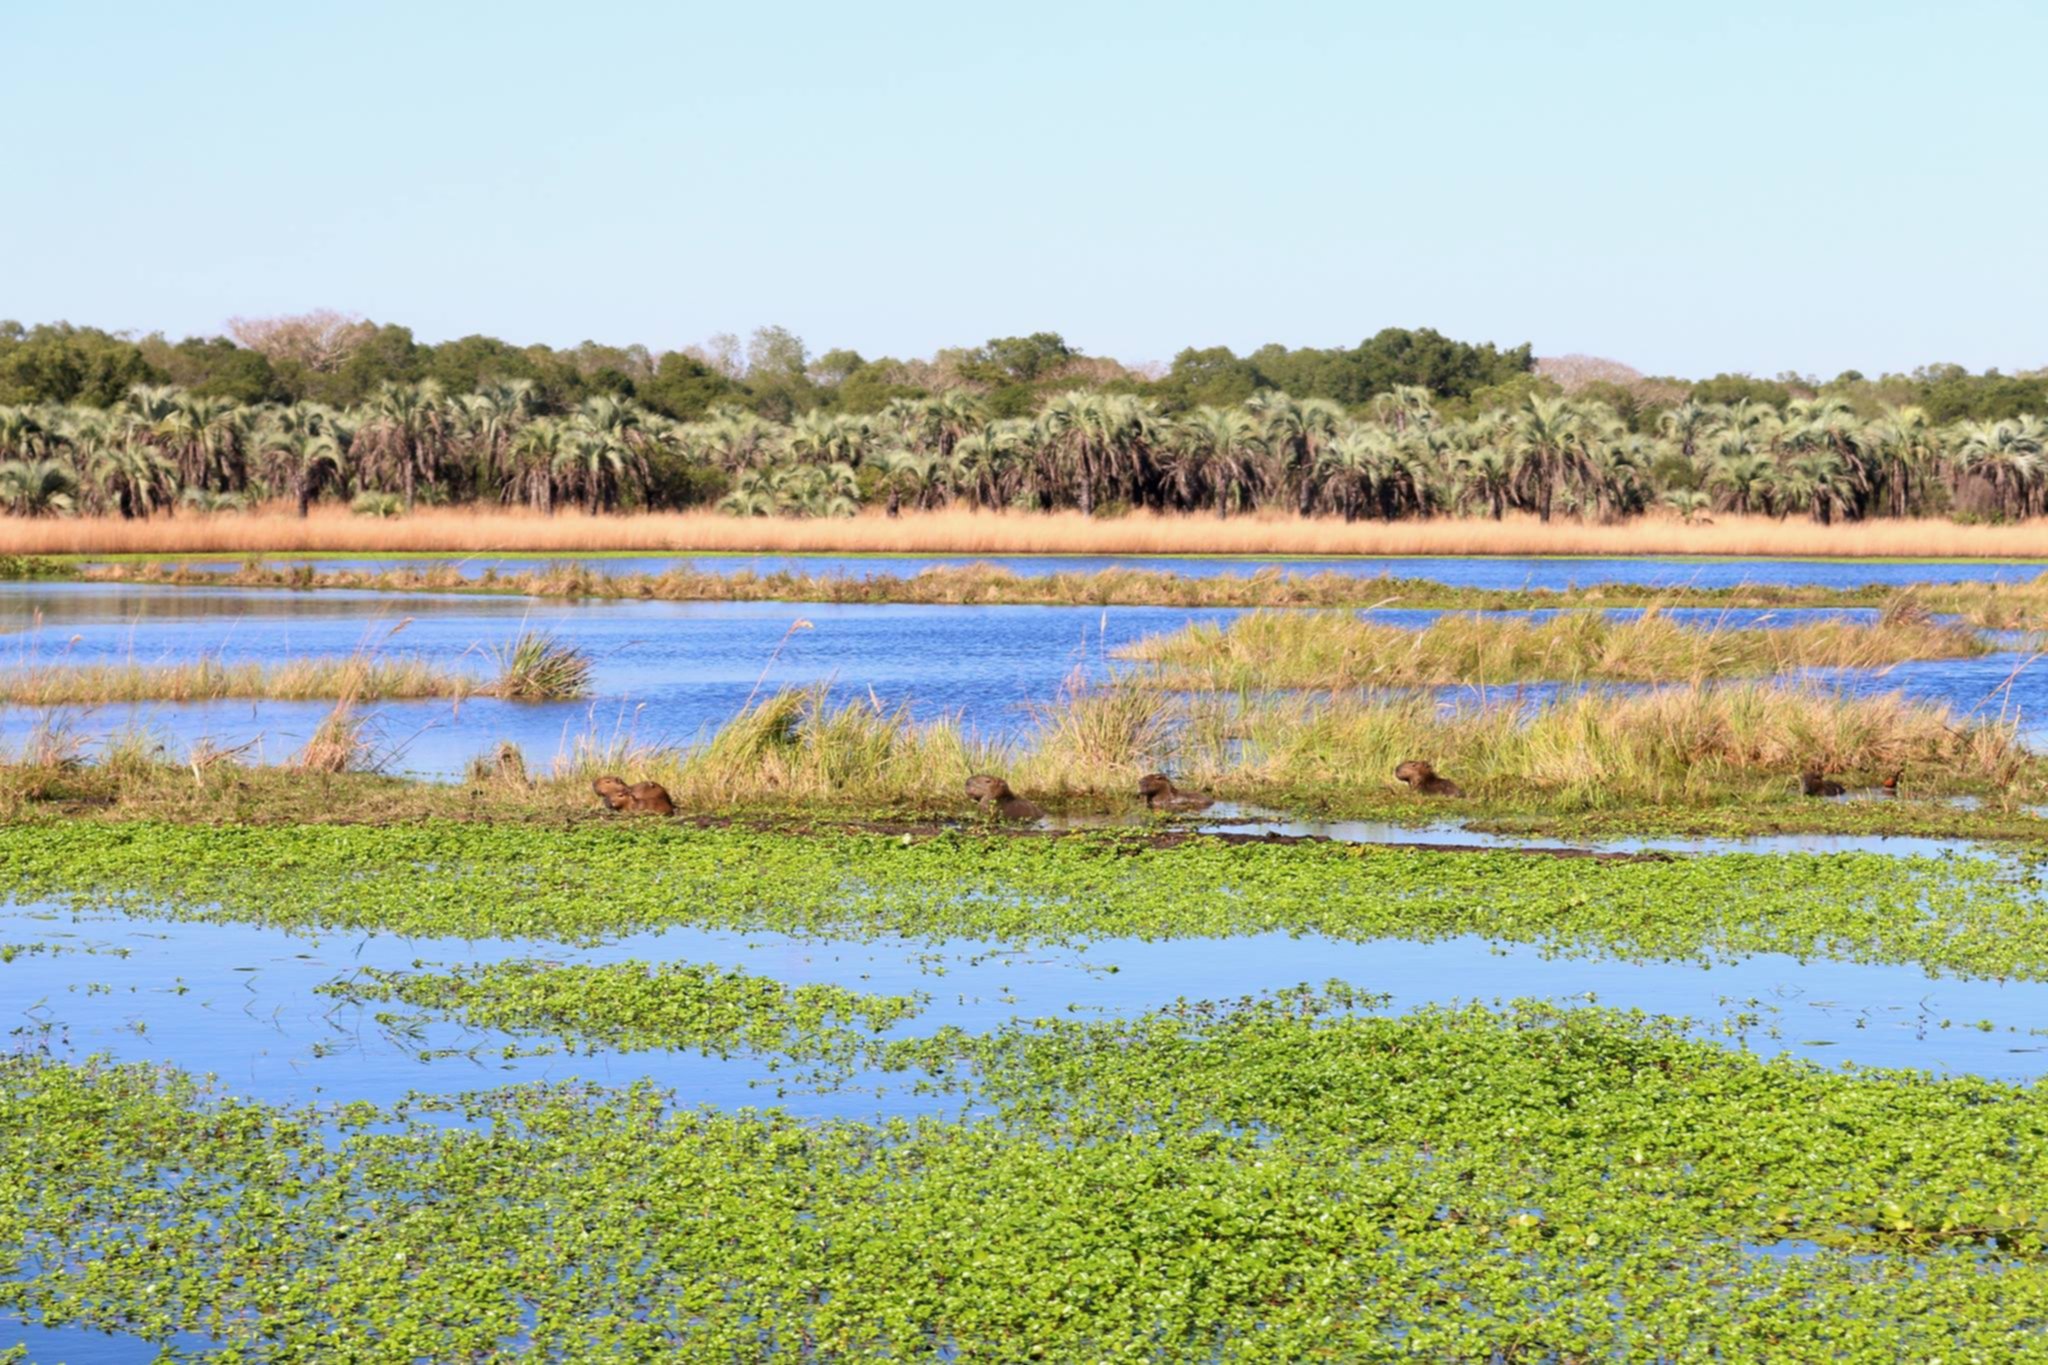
{"type": "Point", "coordinates": [132, 478]}
{"type": "Point", "coordinates": [751, 495]}
{"type": "Point", "coordinates": [38, 488]}
{"type": "Point", "coordinates": [1225, 444]}
{"type": "Point", "coordinates": [1744, 478]}
{"type": "Point", "coordinates": [924, 475]}
{"type": "Point", "coordinates": [405, 436]}
{"type": "Point", "coordinates": [1545, 442]}
{"type": "Point", "coordinates": [1295, 434]}
{"type": "Point", "coordinates": [302, 461]}
{"type": "Point", "coordinates": [1486, 472]}
{"type": "Point", "coordinates": [985, 463]}
{"type": "Point", "coordinates": [2005, 455]}
{"type": "Point", "coordinates": [1903, 448]}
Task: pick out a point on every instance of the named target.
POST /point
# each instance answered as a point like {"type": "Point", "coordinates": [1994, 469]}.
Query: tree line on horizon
{"type": "Point", "coordinates": [1408, 423]}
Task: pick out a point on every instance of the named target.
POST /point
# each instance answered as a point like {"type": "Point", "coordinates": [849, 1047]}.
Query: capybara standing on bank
{"type": "Point", "coordinates": [1160, 794]}
{"type": "Point", "coordinates": [995, 796]}
{"type": "Point", "coordinates": [1811, 783]}
{"type": "Point", "coordinates": [642, 798]}
{"type": "Point", "coordinates": [1422, 779]}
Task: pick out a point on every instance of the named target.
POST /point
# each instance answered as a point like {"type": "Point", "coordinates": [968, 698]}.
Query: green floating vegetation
{"type": "Point", "coordinates": [1973, 916]}
{"type": "Point", "coordinates": [637, 1005]}
{"type": "Point", "coordinates": [1286, 1180]}
{"type": "Point", "coordinates": [1339, 649]}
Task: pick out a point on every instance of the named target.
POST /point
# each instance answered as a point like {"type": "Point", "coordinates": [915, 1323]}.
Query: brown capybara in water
{"type": "Point", "coordinates": [1811, 783]}
{"type": "Point", "coordinates": [1160, 794]}
{"type": "Point", "coordinates": [1422, 778]}
{"type": "Point", "coordinates": [1891, 784]}
{"type": "Point", "coordinates": [995, 796]}
{"type": "Point", "coordinates": [641, 798]}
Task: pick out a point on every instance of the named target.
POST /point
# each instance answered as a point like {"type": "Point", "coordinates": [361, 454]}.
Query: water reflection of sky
{"type": "Point", "coordinates": [238, 1001]}
{"type": "Point", "coordinates": [1463, 571]}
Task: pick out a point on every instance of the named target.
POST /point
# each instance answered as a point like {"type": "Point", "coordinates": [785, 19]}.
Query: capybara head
{"type": "Point", "coordinates": [987, 787]}
{"type": "Point", "coordinates": [615, 792]}
{"type": "Point", "coordinates": [1154, 785]}
{"type": "Point", "coordinates": [1413, 771]}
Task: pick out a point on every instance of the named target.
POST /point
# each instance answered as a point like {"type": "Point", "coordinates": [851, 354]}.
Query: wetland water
{"type": "Point", "coordinates": [667, 672]}
{"type": "Point", "coordinates": [1497, 573]}
{"type": "Point", "coordinates": [240, 1001]}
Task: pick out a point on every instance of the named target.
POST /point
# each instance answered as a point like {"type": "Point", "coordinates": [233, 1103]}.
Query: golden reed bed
{"type": "Point", "coordinates": [334, 531]}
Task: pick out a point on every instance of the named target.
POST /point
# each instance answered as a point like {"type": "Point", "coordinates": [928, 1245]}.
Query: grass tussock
{"type": "Point", "coordinates": [1341, 650]}
{"type": "Point", "coordinates": [340, 744]}
{"type": "Point", "coordinates": [796, 745]}
{"type": "Point", "coordinates": [539, 667]}
{"type": "Point", "coordinates": [335, 530]}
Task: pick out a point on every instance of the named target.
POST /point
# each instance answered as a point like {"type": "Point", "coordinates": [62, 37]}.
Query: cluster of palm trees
{"type": "Point", "coordinates": [163, 448]}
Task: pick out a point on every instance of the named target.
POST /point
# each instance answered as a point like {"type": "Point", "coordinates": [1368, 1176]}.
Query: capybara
{"type": "Point", "coordinates": [1811, 783]}
{"type": "Point", "coordinates": [995, 796]}
{"type": "Point", "coordinates": [1160, 794]}
{"type": "Point", "coordinates": [1422, 778]}
{"type": "Point", "coordinates": [641, 798]}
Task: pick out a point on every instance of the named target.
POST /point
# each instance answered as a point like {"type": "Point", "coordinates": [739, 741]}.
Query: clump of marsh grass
{"type": "Point", "coordinates": [798, 745]}
{"type": "Point", "coordinates": [539, 667]}
{"type": "Point", "coordinates": [339, 744]}
{"type": "Point", "coordinates": [1098, 736]}
{"type": "Point", "coordinates": [1321, 649]}
{"type": "Point", "coordinates": [504, 766]}
{"type": "Point", "coordinates": [53, 742]}
{"type": "Point", "coordinates": [132, 752]}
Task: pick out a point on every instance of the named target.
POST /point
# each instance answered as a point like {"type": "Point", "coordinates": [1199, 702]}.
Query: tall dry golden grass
{"type": "Point", "coordinates": [333, 531]}
{"type": "Point", "coordinates": [1322, 649]}
{"type": "Point", "coordinates": [1686, 744]}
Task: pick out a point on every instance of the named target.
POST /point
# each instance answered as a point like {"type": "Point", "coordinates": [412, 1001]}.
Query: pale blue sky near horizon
{"type": "Point", "coordinates": [1690, 189]}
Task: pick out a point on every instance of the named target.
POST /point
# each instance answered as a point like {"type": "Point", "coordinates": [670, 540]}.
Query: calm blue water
{"type": "Point", "coordinates": [667, 672]}
{"type": "Point", "coordinates": [238, 1001]}
{"type": "Point", "coordinates": [1458, 571]}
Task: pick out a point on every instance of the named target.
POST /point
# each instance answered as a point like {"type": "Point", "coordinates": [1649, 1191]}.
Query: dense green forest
{"type": "Point", "coordinates": [1406, 423]}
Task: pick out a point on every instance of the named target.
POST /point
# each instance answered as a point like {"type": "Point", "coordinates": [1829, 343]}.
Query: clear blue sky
{"type": "Point", "coordinates": [1689, 188]}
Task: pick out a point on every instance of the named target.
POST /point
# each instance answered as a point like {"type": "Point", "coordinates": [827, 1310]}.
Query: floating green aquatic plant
{"type": "Point", "coordinates": [1280, 1180]}
{"type": "Point", "coordinates": [1972, 915]}
{"type": "Point", "coordinates": [637, 1005]}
